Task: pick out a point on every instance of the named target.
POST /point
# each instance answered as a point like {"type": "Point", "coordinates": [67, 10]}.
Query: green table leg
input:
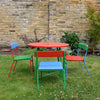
{"type": "Point", "coordinates": [58, 50]}
{"type": "Point", "coordinates": [38, 49]}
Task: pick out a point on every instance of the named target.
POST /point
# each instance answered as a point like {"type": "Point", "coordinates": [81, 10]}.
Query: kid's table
{"type": "Point", "coordinates": [48, 45]}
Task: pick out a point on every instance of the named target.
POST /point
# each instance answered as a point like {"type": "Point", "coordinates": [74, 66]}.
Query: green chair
{"type": "Point", "coordinates": [19, 58]}
{"type": "Point", "coordinates": [78, 58]}
{"type": "Point", "coordinates": [49, 66]}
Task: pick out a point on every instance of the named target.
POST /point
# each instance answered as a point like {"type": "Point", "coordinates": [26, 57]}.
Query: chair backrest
{"type": "Point", "coordinates": [49, 53]}
{"type": "Point", "coordinates": [83, 46]}
{"type": "Point", "coordinates": [14, 45]}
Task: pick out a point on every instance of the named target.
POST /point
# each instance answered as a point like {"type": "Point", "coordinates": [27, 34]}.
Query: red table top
{"type": "Point", "coordinates": [48, 44]}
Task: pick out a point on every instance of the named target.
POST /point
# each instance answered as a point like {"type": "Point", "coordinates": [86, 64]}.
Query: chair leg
{"type": "Point", "coordinates": [64, 80]}
{"type": "Point", "coordinates": [32, 64]}
{"type": "Point", "coordinates": [10, 70]}
{"type": "Point", "coordinates": [35, 72]}
{"type": "Point", "coordinates": [87, 68]}
{"type": "Point", "coordinates": [58, 58]}
{"type": "Point", "coordinates": [31, 68]}
{"type": "Point", "coordinates": [66, 68]}
{"type": "Point", "coordinates": [81, 65]}
{"type": "Point", "coordinates": [37, 81]}
{"type": "Point", "coordinates": [14, 66]}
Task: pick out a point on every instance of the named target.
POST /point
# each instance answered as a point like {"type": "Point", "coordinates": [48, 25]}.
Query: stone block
{"type": "Point", "coordinates": [75, 0]}
{"type": "Point", "coordinates": [22, 17]}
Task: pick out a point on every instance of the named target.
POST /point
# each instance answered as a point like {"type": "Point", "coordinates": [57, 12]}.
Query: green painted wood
{"type": "Point", "coordinates": [49, 73]}
{"type": "Point", "coordinates": [36, 66]}
{"type": "Point", "coordinates": [37, 71]}
{"type": "Point", "coordinates": [83, 46]}
{"type": "Point", "coordinates": [23, 57]}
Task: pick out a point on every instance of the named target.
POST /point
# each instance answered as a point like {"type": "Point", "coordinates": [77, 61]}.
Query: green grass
{"type": "Point", "coordinates": [22, 87]}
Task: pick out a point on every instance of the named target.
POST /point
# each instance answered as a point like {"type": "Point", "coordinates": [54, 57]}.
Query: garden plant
{"type": "Point", "coordinates": [72, 39]}
{"type": "Point", "coordinates": [93, 33]}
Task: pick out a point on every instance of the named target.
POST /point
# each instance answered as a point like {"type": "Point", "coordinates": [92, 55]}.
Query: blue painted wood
{"type": "Point", "coordinates": [14, 45]}
{"type": "Point", "coordinates": [66, 68]}
{"type": "Point", "coordinates": [50, 66]}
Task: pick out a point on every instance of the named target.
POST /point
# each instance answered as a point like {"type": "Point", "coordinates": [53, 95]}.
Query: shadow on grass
{"type": "Point", "coordinates": [21, 73]}
{"type": "Point", "coordinates": [54, 78]}
{"type": "Point", "coordinates": [74, 69]}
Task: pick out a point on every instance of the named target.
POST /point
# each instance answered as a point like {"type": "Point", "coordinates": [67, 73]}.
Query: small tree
{"type": "Point", "coordinates": [94, 27]}
{"type": "Point", "coordinates": [72, 39]}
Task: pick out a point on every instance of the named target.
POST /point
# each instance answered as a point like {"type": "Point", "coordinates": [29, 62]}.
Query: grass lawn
{"type": "Point", "coordinates": [22, 87]}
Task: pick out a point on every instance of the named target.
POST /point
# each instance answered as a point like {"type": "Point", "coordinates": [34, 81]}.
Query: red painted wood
{"type": "Point", "coordinates": [14, 66]}
{"type": "Point", "coordinates": [74, 58]}
{"type": "Point", "coordinates": [48, 44]}
{"type": "Point", "coordinates": [6, 50]}
{"type": "Point", "coordinates": [10, 70]}
{"type": "Point", "coordinates": [17, 51]}
{"type": "Point", "coordinates": [50, 53]}
{"type": "Point", "coordinates": [31, 68]}
{"type": "Point", "coordinates": [12, 54]}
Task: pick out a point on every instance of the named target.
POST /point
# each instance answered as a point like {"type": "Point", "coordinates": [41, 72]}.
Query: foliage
{"type": "Point", "coordinates": [68, 49]}
{"type": "Point", "coordinates": [29, 51]}
{"type": "Point", "coordinates": [94, 26]}
{"type": "Point", "coordinates": [72, 39]}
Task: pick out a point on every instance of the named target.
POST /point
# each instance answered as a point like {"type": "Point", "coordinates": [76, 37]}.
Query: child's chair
{"type": "Point", "coordinates": [19, 57]}
{"type": "Point", "coordinates": [78, 58]}
{"type": "Point", "coordinates": [49, 66]}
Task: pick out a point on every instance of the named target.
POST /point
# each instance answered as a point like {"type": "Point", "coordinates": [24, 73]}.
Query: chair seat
{"type": "Point", "coordinates": [74, 58]}
{"type": "Point", "coordinates": [50, 66]}
{"type": "Point", "coordinates": [23, 57]}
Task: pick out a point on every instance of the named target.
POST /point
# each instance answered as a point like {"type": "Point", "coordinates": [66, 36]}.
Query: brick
{"type": "Point", "coordinates": [12, 30]}
{"type": "Point", "coordinates": [75, 0]}
{"type": "Point", "coordinates": [21, 17]}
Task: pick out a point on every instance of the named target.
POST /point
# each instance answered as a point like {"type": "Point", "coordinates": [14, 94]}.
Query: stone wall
{"type": "Point", "coordinates": [20, 18]}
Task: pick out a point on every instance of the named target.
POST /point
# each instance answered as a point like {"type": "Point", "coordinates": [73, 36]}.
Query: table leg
{"type": "Point", "coordinates": [58, 57]}
{"type": "Point", "coordinates": [38, 49]}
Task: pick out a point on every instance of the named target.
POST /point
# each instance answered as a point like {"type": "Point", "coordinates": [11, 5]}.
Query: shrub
{"type": "Point", "coordinates": [72, 39]}
{"type": "Point", "coordinates": [93, 33]}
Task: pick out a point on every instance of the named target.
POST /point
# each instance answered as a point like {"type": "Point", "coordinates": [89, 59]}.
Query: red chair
{"type": "Point", "coordinates": [19, 57]}
{"type": "Point", "coordinates": [78, 58]}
